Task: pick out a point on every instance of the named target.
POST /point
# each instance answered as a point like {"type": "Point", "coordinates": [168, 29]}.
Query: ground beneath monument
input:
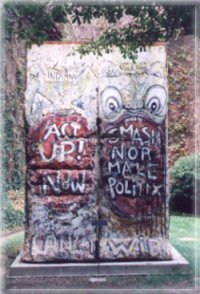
{"type": "Point", "coordinates": [111, 282]}
{"type": "Point", "coordinates": [182, 238]}
{"type": "Point", "coordinates": [166, 281]}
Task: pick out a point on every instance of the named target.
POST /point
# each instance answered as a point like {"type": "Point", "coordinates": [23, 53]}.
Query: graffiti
{"type": "Point", "coordinates": [61, 182]}
{"type": "Point", "coordinates": [58, 186]}
{"type": "Point", "coordinates": [63, 247]}
{"type": "Point", "coordinates": [127, 67]}
{"type": "Point", "coordinates": [136, 248]}
{"type": "Point", "coordinates": [62, 141]}
{"type": "Point", "coordinates": [72, 154]}
{"type": "Point", "coordinates": [55, 75]}
{"type": "Point", "coordinates": [34, 76]}
{"type": "Point", "coordinates": [66, 129]}
{"type": "Point", "coordinates": [58, 142]}
{"type": "Point", "coordinates": [96, 150]}
{"type": "Point", "coordinates": [62, 150]}
{"type": "Point", "coordinates": [127, 188]}
{"type": "Point", "coordinates": [142, 135]}
{"type": "Point", "coordinates": [64, 124]}
{"type": "Point", "coordinates": [71, 74]}
{"type": "Point", "coordinates": [133, 164]}
{"type": "Point", "coordinates": [84, 101]}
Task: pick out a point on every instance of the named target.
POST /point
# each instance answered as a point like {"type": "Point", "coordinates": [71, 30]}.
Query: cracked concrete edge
{"type": "Point", "coordinates": [178, 265]}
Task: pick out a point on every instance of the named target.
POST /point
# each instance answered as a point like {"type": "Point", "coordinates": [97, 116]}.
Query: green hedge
{"type": "Point", "coordinates": [10, 216]}
{"type": "Point", "coordinates": [182, 187]}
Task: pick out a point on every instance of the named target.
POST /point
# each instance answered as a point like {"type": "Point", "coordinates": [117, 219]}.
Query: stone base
{"type": "Point", "coordinates": [177, 265]}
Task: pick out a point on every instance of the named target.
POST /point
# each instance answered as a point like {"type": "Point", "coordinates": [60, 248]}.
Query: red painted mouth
{"type": "Point", "coordinates": [133, 166]}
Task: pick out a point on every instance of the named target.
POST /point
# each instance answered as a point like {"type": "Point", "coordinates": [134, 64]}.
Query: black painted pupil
{"type": "Point", "coordinates": [112, 106]}
{"type": "Point", "coordinates": [153, 106]}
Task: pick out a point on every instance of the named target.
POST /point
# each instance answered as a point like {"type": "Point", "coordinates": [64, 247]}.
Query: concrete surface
{"type": "Point", "coordinates": [177, 265]}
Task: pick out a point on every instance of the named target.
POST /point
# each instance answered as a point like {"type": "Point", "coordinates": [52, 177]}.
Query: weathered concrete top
{"type": "Point", "coordinates": [58, 79]}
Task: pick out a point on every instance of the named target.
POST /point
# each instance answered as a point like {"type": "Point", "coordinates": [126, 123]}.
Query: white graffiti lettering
{"type": "Point", "coordinates": [131, 188]}
{"type": "Point", "coordinates": [62, 151]}
{"type": "Point", "coordinates": [143, 135]}
{"type": "Point", "coordinates": [63, 130]}
{"type": "Point", "coordinates": [133, 153]}
{"type": "Point", "coordinates": [58, 184]}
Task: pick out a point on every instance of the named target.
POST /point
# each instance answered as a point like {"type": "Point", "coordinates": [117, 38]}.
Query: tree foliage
{"type": "Point", "coordinates": [150, 24]}
{"type": "Point", "coordinates": [33, 23]}
{"type": "Point", "coordinates": [37, 23]}
{"type": "Point", "coordinates": [184, 174]}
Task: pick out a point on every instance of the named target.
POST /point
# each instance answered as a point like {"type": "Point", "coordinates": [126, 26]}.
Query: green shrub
{"type": "Point", "coordinates": [10, 216]}
{"type": "Point", "coordinates": [182, 188]}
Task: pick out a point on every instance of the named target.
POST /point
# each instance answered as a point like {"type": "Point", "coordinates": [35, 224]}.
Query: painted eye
{"type": "Point", "coordinates": [111, 102]}
{"type": "Point", "coordinates": [156, 100]}
{"type": "Point", "coordinates": [154, 105]}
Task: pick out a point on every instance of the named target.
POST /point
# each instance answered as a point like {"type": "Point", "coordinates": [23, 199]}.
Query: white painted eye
{"type": "Point", "coordinates": [154, 105]}
{"type": "Point", "coordinates": [156, 99]}
{"type": "Point", "coordinates": [111, 102]}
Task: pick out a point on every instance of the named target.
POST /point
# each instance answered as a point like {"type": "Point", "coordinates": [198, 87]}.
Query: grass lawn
{"type": "Point", "coordinates": [182, 237]}
{"type": "Point", "coordinates": [10, 247]}
{"type": "Point", "coordinates": [185, 237]}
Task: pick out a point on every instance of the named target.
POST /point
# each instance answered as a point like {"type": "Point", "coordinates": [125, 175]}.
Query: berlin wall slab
{"type": "Point", "coordinates": [133, 107]}
{"type": "Point", "coordinates": [96, 148]}
{"type": "Point", "coordinates": [61, 111]}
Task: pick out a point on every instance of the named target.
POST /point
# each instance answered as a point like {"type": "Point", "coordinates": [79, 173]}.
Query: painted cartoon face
{"type": "Point", "coordinates": [114, 102]}
{"type": "Point", "coordinates": [126, 87]}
